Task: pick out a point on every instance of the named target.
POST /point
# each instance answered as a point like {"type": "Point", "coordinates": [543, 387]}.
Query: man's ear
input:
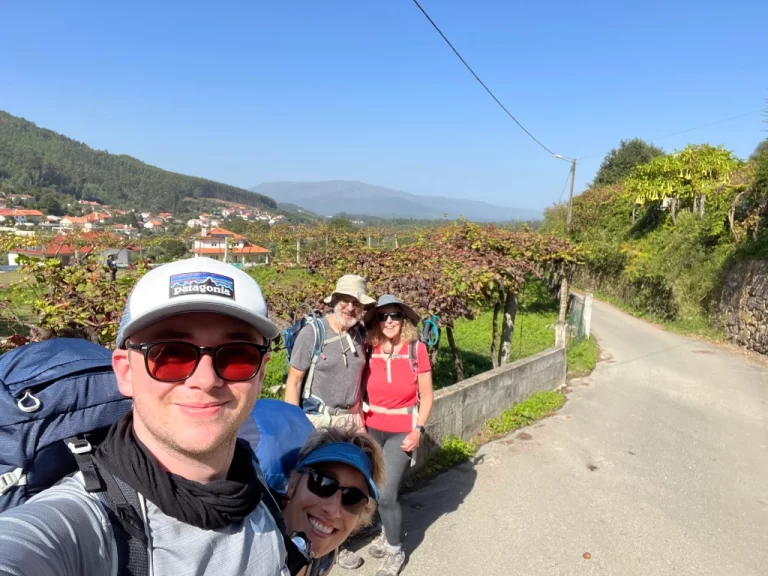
{"type": "Point", "coordinates": [121, 364]}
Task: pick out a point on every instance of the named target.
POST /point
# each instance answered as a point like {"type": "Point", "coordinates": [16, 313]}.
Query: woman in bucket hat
{"type": "Point", "coordinates": [398, 388]}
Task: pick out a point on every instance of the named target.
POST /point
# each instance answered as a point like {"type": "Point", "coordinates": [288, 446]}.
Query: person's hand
{"type": "Point", "coordinates": [411, 441]}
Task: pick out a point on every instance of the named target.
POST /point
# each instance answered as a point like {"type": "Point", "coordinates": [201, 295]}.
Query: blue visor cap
{"type": "Point", "coordinates": [342, 453]}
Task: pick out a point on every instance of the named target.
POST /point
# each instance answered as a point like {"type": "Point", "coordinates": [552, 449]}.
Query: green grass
{"type": "Point", "coordinates": [582, 357]}
{"type": "Point", "coordinates": [274, 375]}
{"type": "Point", "coordinates": [457, 451]}
{"type": "Point", "coordinates": [534, 333]}
{"type": "Point", "coordinates": [9, 277]}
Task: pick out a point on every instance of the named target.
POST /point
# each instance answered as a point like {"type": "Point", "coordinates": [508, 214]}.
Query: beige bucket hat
{"type": "Point", "coordinates": [352, 285]}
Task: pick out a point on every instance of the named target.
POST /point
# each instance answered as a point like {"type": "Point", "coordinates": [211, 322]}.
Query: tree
{"type": "Point", "coordinates": [618, 163]}
{"type": "Point", "coordinates": [236, 225]}
{"type": "Point", "coordinates": [50, 205]}
{"type": "Point", "coordinates": [760, 150]}
{"type": "Point", "coordinates": [340, 224]}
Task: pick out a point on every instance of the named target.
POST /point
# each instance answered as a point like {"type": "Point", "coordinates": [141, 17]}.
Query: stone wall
{"type": "Point", "coordinates": [744, 304]}
{"type": "Point", "coordinates": [462, 409]}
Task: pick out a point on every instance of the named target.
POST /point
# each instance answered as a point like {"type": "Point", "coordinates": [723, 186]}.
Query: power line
{"type": "Point", "coordinates": [492, 95]}
{"type": "Point", "coordinates": [715, 123]}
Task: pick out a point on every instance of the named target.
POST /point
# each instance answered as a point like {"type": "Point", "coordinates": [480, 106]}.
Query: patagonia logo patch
{"type": "Point", "coordinates": [201, 283]}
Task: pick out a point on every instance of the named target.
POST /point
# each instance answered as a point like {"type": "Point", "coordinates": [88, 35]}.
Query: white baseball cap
{"type": "Point", "coordinates": [195, 285]}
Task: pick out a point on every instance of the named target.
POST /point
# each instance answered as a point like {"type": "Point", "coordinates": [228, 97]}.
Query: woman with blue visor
{"type": "Point", "coordinates": [325, 480]}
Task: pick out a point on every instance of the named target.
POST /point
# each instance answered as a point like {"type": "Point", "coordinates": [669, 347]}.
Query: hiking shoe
{"type": "Point", "coordinates": [379, 546]}
{"type": "Point", "coordinates": [348, 560]}
{"type": "Point", "coordinates": [393, 562]}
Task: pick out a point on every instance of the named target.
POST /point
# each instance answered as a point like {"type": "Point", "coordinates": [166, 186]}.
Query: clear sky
{"type": "Point", "coordinates": [259, 91]}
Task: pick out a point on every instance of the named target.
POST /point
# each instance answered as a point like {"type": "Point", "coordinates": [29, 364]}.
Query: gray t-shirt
{"type": "Point", "coordinates": [339, 369]}
{"type": "Point", "coordinates": [65, 531]}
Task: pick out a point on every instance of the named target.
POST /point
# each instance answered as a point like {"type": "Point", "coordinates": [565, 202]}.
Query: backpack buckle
{"type": "Point", "coordinates": [79, 446]}
{"type": "Point", "coordinates": [11, 479]}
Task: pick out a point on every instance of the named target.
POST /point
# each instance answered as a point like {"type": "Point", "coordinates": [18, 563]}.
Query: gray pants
{"type": "Point", "coordinates": [396, 462]}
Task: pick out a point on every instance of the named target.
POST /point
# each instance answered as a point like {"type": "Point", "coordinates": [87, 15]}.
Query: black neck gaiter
{"type": "Point", "coordinates": [208, 506]}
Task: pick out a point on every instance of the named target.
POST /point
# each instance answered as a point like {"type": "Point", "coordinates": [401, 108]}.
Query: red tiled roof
{"type": "Point", "coordinates": [19, 212]}
{"type": "Point", "coordinates": [223, 232]}
{"type": "Point", "coordinates": [253, 249]}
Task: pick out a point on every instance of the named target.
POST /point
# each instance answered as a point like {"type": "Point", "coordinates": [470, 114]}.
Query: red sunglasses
{"type": "Point", "coordinates": [174, 361]}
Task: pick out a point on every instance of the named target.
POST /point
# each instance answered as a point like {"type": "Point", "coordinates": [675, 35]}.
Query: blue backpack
{"type": "Point", "coordinates": [276, 432]}
{"type": "Point", "coordinates": [51, 391]}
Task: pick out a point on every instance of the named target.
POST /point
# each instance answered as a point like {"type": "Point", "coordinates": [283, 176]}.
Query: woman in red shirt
{"type": "Point", "coordinates": [398, 387]}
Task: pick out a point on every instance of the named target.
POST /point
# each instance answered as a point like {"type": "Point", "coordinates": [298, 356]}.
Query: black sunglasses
{"type": "Point", "coordinates": [174, 361]}
{"type": "Point", "coordinates": [396, 316]}
{"type": "Point", "coordinates": [324, 485]}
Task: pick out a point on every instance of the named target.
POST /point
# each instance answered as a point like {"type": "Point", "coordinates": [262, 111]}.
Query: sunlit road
{"type": "Point", "coordinates": [657, 465]}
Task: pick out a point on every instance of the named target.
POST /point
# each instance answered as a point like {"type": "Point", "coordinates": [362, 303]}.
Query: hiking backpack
{"type": "Point", "coordinates": [51, 391]}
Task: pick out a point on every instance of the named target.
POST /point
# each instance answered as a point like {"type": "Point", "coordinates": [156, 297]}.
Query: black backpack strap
{"type": "Point", "coordinates": [121, 503]}
{"type": "Point", "coordinates": [296, 559]}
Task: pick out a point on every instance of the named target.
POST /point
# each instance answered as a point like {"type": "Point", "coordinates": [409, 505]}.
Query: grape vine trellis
{"type": "Point", "coordinates": [451, 271]}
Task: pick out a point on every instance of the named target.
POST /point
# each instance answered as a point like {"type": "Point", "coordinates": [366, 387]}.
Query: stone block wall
{"type": "Point", "coordinates": [744, 304]}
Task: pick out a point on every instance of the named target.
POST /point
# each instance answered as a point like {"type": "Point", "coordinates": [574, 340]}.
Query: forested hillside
{"type": "Point", "coordinates": [35, 158]}
{"type": "Point", "coordinates": [660, 238]}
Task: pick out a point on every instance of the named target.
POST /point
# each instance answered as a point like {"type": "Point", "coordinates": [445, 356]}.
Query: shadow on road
{"type": "Point", "coordinates": [443, 495]}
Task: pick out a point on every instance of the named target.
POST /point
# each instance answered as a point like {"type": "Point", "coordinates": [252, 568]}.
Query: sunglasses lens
{"type": "Point", "coordinates": [171, 361]}
{"type": "Point", "coordinates": [322, 485]}
{"type": "Point", "coordinates": [353, 499]}
{"type": "Point", "coordinates": [396, 316]}
{"type": "Point", "coordinates": [325, 486]}
{"type": "Point", "coordinates": [238, 362]}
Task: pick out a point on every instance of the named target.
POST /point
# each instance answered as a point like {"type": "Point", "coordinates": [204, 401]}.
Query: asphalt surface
{"type": "Point", "coordinates": [656, 465]}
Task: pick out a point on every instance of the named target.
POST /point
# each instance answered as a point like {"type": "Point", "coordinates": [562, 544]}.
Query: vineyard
{"type": "Point", "coordinates": [452, 273]}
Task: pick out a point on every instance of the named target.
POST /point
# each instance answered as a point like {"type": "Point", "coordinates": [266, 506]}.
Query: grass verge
{"type": "Point", "coordinates": [456, 451]}
{"type": "Point", "coordinates": [582, 357]}
{"type": "Point", "coordinates": [534, 333]}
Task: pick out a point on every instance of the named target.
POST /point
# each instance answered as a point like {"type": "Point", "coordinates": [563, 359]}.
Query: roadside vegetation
{"type": "Point", "coordinates": [660, 233]}
{"type": "Point", "coordinates": [456, 451]}
{"type": "Point", "coordinates": [582, 357]}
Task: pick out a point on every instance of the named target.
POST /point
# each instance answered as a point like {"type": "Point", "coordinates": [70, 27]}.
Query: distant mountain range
{"type": "Point", "coordinates": [333, 197]}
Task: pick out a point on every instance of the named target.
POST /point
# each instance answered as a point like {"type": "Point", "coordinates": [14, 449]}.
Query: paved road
{"type": "Point", "coordinates": [658, 464]}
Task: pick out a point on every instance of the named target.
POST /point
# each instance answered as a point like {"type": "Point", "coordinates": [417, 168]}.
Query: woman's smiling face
{"type": "Point", "coordinates": [324, 520]}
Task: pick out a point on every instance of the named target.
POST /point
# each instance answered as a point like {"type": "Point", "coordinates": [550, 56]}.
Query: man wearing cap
{"type": "Point", "coordinates": [337, 373]}
{"type": "Point", "coordinates": [191, 350]}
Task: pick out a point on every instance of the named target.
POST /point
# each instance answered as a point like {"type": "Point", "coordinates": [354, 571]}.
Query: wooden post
{"type": "Point", "coordinates": [456, 356]}
{"type": "Point", "coordinates": [510, 313]}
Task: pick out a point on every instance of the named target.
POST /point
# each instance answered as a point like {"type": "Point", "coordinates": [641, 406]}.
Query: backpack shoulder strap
{"type": "Point", "coordinates": [295, 560]}
{"type": "Point", "coordinates": [318, 328]}
{"type": "Point", "coordinates": [413, 356]}
{"type": "Point", "coordinates": [123, 508]}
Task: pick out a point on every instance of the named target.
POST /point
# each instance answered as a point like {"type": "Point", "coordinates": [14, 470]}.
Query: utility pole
{"type": "Point", "coordinates": [561, 335]}
{"type": "Point", "coordinates": [570, 197]}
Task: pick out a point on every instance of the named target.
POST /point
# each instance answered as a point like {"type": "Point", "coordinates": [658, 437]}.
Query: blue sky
{"type": "Point", "coordinates": [252, 92]}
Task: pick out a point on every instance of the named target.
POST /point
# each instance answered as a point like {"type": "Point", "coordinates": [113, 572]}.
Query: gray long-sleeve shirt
{"type": "Point", "coordinates": [65, 531]}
